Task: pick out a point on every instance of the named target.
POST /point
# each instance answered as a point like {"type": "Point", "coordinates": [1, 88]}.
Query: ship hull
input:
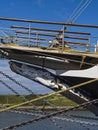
{"type": "Point", "coordinates": [68, 67]}
{"type": "Point", "coordinates": [57, 82]}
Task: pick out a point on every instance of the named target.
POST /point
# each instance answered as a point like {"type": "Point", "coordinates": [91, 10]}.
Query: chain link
{"type": "Point", "coordinates": [40, 118]}
{"type": "Point", "coordinates": [50, 115]}
{"type": "Point", "coordinates": [24, 99]}
{"type": "Point", "coordinates": [24, 87]}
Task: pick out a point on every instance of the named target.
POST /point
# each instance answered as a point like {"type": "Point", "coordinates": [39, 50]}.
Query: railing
{"type": "Point", "coordinates": [47, 34]}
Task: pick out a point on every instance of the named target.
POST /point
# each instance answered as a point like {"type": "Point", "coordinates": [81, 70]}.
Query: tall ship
{"type": "Point", "coordinates": [56, 58]}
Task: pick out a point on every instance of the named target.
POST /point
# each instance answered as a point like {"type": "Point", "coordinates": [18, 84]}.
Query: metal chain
{"type": "Point", "coordinates": [17, 94]}
{"type": "Point", "coordinates": [15, 81]}
{"type": "Point", "coordinates": [55, 92]}
{"type": "Point", "coordinates": [83, 117]}
{"type": "Point", "coordinates": [77, 121]}
{"type": "Point", "coordinates": [8, 77]}
{"type": "Point", "coordinates": [24, 99]}
{"type": "Point", "coordinates": [49, 115]}
{"type": "Point", "coordinates": [9, 87]}
{"type": "Point", "coordinates": [83, 123]}
{"type": "Point", "coordinates": [50, 94]}
{"type": "Point", "coordinates": [38, 114]}
{"type": "Point", "coordinates": [24, 87]}
{"type": "Point", "coordinates": [68, 118]}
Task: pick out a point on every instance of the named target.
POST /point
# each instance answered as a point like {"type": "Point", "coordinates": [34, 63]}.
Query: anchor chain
{"type": "Point", "coordinates": [85, 124]}
{"type": "Point", "coordinates": [84, 117]}
{"type": "Point", "coordinates": [9, 87]}
{"type": "Point", "coordinates": [17, 94]}
{"type": "Point", "coordinates": [49, 115]}
{"type": "Point", "coordinates": [24, 99]}
{"type": "Point", "coordinates": [24, 87]}
{"type": "Point", "coordinates": [29, 90]}
{"type": "Point", "coordinates": [83, 83]}
{"type": "Point", "coordinates": [66, 118]}
{"type": "Point", "coordinates": [56, 123]}
{"type": "Point", "coordinates": [48, 95]}
{"type": "Point", "coordinates": [77, 121]}
{"type": "Point", "coordinates": [15, 81]}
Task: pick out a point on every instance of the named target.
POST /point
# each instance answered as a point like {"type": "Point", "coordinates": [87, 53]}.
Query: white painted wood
{"type": "Point", "coordinates": [86, 73]}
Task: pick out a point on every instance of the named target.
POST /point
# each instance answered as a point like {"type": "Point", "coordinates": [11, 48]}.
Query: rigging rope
{"type": "Point", "coordinates": [25, 99]}
{"type": "Point", "coordinates": [17, 94]}
{"type": "Point", "coordinates": [45, 96]}
{"type": "Point", "coordinates": [21, 85]}
{"type": "Point", "coordinates": [75, 11]}
{"type": "Point", "coordinates": [79, 9]}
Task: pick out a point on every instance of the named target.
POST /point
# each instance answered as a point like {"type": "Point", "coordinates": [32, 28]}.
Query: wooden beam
{"type": "Point", "coordinates": [50, 34]}
{"type": "Point", "coordinates": [38, 29]}
{"type": "Point", "coordinates": [33, 38]}
{"type": "Point", "coordinates": [77, 43]}
{"type": "Point", "coordinates": [51, 30]}
{"type": "Point", "coordinates": [49, 22]}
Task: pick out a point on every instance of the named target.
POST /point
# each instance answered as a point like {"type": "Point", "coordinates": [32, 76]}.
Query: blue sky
{"type": "Point", "coordinates": [51, 10]}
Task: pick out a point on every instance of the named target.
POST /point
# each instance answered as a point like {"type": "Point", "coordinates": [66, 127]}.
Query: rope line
{"type": "Point", "coordinates": [21, 85]}
{"type": "Point", "coordinates": [25, 99]}
{"type": "Point", "coordinates": [79, 9]}
{"type": "Point", "coordinates": [17, 94]}
{"type": "Point", "coordinates": [53, 119]}
{"type": "Point", "coordinates": [45, 96]}
{"type": "Point", "coordinates": [74, 12]}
